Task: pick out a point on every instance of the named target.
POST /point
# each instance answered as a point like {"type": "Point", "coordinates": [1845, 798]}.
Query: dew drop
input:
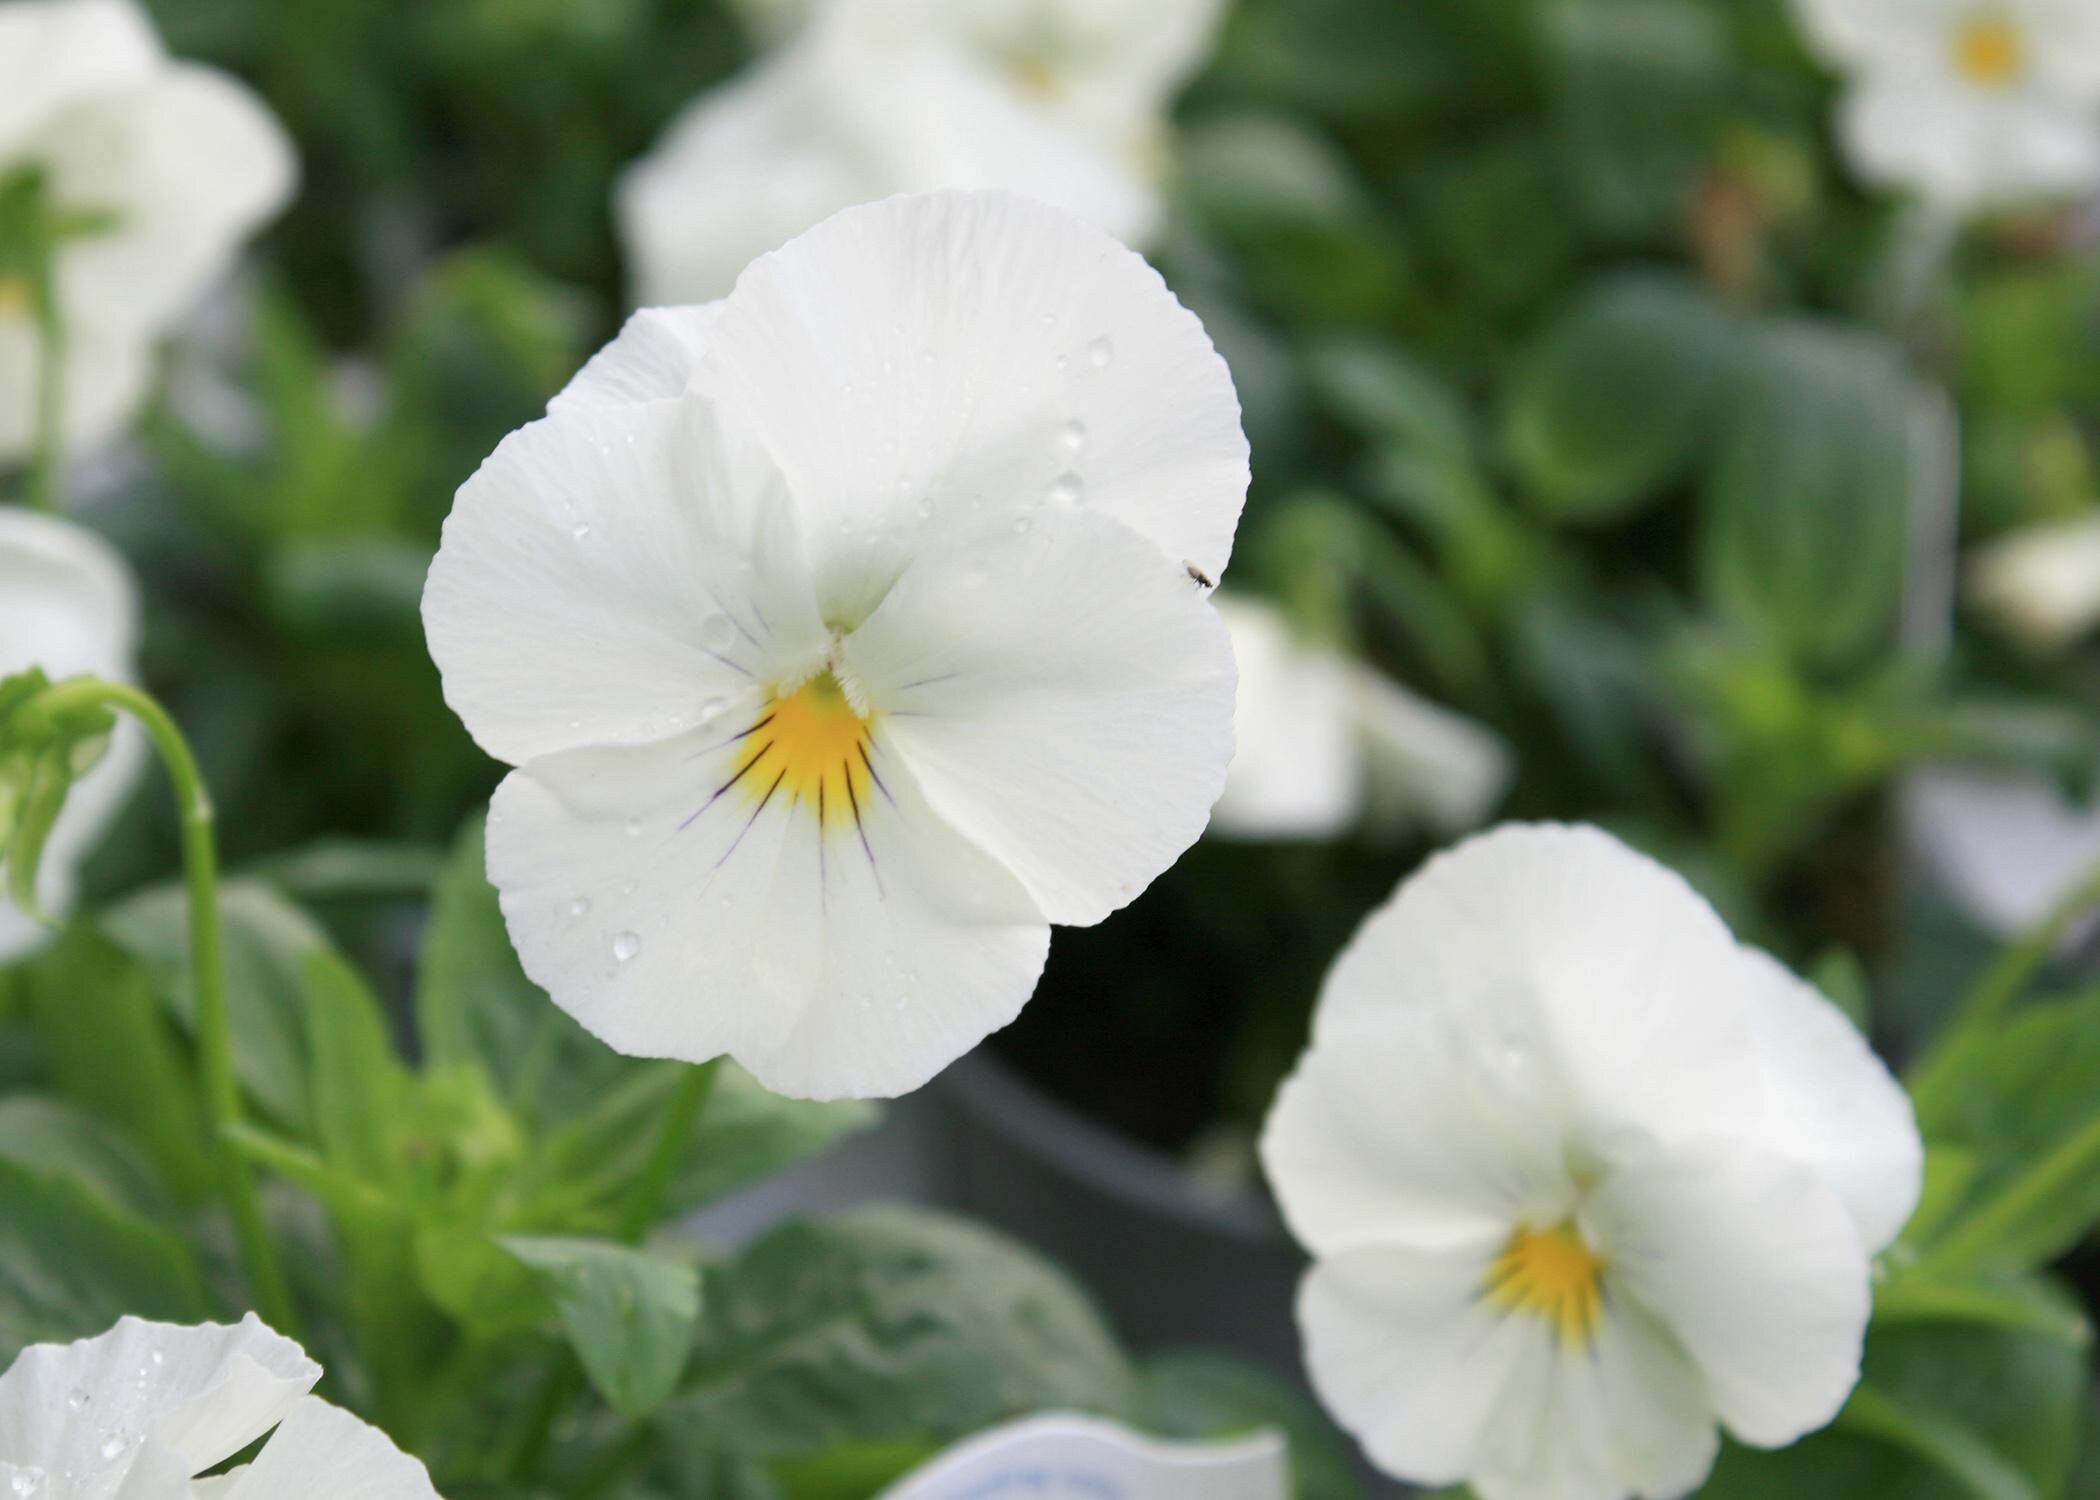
{"type": "Point", "coordinates": [1072, 436]}
{"type": "Point", "coordinates": [625, 947]}
{"type": "Point", "coordinates": [711, 710]}
{"type": "Point", "coordinates": [159, 1358]}
{"type": "Point", "coordinates": [76, 1398]}
{"type": "Point", "coordinates": [1067, 489]}
{"type": "Point", "coordinates": [111, 1447]}
{"type": "Point", "coordinates": [580, 530]}
{"type": "Point", "coordinates": [580, 907]}
{"type": "Point", "coordinates": [634, 828]}
{"type": "Point", "coordinates": [1022, 524]}
{"type": "Point", "coordinates": [27, 1482]}
{"type": "Point", "coordinates": [1101, 352]}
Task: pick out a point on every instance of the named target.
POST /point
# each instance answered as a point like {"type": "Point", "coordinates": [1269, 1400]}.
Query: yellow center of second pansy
{"type": "Point", "coordinates": [810, 746]}
{"type": "Point", "coordinates": [1988, 50]}
{"type": "Point", "coordinates": [1552, 1274]}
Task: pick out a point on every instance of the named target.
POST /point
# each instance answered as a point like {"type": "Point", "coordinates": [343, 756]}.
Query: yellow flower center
{"type": "Point", "coordinates": [1988, 50]}
{"type": "Point", "coordinates": [1034, 74]}
{"type": "Point", "coordinates": [1552, 1274]}
{"type": "Point", "coordinates": [810, 745]}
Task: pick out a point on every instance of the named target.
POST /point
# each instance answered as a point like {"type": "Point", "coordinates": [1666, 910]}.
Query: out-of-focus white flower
{"type": "Point", "coordinates": [1581, 1177]}
{"type": "Point", "coordinates": [2005, 847]}
{"type": "Point", "coordinates": [67, 605]}
{"type": "Point", "coordinates": [1061, 100]}
{"type": "Point", "coordinates": [2042, 582]}
{"type": "Point", "coordinates": [1320, 738]}
{"type": "Point", "coordinates": [143, 1409]}
{"type": "Point", "coordinates": [168, 165]}
{"type": "Point", "coordinates": [1970, 103]}
{"type": "Point", "coordinates": [843, 635]}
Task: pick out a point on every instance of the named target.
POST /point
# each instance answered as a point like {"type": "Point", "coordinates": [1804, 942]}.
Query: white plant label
{"type": "Point", "coordinates": [1084, 1458]}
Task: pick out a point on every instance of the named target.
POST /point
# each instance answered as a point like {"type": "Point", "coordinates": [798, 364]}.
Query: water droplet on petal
{"type": "Point", "coordinates": [634, 827]}
{"type": "Point", "coordinates": [76, 1398]}
{"type": "Point", "coordinates": [625, 947]}
{"type": "Point", "coordinates": [111, 1447]}
{"type": "Point", "coordinates": [1021, 525]}
{"type": "Point", "coordinates": [1101, 352]}
{"type": "Point", "coordinates": [1067, 489]}
{"type": "Point", "coordinates": [580, 907]}
{"type": "Point", "coordinates": [1072, 436]}
{"type": "Point", "coordinates": [580, 530]}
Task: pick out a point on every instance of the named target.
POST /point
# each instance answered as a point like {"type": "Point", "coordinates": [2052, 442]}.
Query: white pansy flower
{"type": "Point", "coordinates": [68, 606]}
{"type": "Point", "coordinates": [2007, 847]}
{"type": "Point", "coordinates": [1320, 739]}
{"type": "Point", "coordinates": [138, 1412]}
{"type": "Point", "coordinates": [175, 163]}
{"type": "Point", "coordinates": [2042, 582]}
{"type": "Point", "coordinates": [1581, 1177]}
{"type": "Point", "coordinates": [1969, 103]}
{"type": "Point", "coordinates": [844, 639]}
{"type": "Point", "coordinates": [1058, 101]}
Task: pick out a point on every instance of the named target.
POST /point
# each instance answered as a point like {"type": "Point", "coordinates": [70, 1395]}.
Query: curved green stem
{"type": "Point", "coordinates": [47, 458]}
{"type": "Point", "coordinates": [222, 1094]}
{"type": "Point", "coordinates": [2002, 983]}
{"type": "Point", "coordinates": [673, 1134]}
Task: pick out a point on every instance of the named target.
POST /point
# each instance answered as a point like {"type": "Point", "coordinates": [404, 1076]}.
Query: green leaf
{"type": "Point", "coordinates": [1633, 87]}
{"type": "Point", "coordinates": [72, 1263]}
{"type": "Point", "coordinates": [267, 944]}
{"type": "Point", "coordinates": [628, 1313]}
{"type": "Point", "coordinates": [1808, 505]}
{"type": "Point", "coordinates": [47, 1135]}
{"type": "Point", "coordinates": [885, 1325]}
{"type": "Point", "coordinates": [109, 1048]}
{"type": "Point", "coordinates": [1614, 400]}
{"type": "Point", "coordinates": [476, 1281]}
{"type": "Point", "coordinates": [351, 869]}
{"type": "Point", "coordinates": [358, 1085]}
{"type": "Point", "coordinates": [1201, 1396]}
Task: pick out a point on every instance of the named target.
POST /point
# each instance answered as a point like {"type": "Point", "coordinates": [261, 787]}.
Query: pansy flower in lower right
{"type": "Point", "coordinates": [1583, 1179]}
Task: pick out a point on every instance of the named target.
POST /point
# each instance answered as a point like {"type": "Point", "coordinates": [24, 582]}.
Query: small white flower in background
{"type": "Point", "coordinates": [1321, 739]}
{"type": "Point", "coordinates": [2006, 847]}
{"type": "Point", "coordinates": [2042, 582]}
{"type": "Point", "coordinates": [140, 1411]}
{"type": "Point", "coordinates": [1060, 100]}
{"type": "Point", "coordinates": [1581, 1177]}
{"type": "Point", "coordinates": [844, 638]}
{"type": "Point", "coordinates": [68, 606]}
{"type": "Point", "coordinates": [1969, 103]}
{"type": "Point", "coordinates": [180, 163]}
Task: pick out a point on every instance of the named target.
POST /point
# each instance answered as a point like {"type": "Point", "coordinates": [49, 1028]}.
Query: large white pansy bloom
{"type": "Point", "coordinates": [844, 637]}
{"type": "Point", "coordinates": [1056, 99]}
{"type": "Point", "coordinates": [138, 1412]}
{"type": "Point", "coordinates": [1970, 103]}
{"type": "Point", "coordinates": [2041, 582]}
{"type": "Point", "coordinates": [177, 164]}
{"type": "Point", "coordinates": [1581, 1177]}
{"type": "Point", "coordinates": [1320, 738]}
{"type": "Point", "coordinates": [67, 606]}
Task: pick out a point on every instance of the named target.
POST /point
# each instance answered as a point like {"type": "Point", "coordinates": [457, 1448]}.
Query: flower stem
{"type": "Point", "coordinates": [2002, 982]}
{"type": "Point", "coordinates": [47, 458]}
{"type": "Point", "coordinates": [2071, 1160]}
{"type": "Point", "coordinates": [674, 1133]}
{"type": "Point", "coordinates": [208, 973]}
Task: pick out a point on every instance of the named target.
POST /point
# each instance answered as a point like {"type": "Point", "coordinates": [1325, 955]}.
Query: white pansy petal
{"type": "Point", "coordinates": [1405, 1355]}
{"type": "Point", "coordinates": [106, 375]}
{"type": "Point", "coordinates": [323, 1453]}
{"type": "Point", "coordinates": [1754, 1265]}
{"type": "Point", "coordinates": [2041, 582]}
{"type": "Point", "coordinates": [1297, 765]}
{"type": "Point", "coordinates": [56, 52]}
{"type": "Point", "coordinates": [679, 906]}
{"type": "Point", "coordinates": [922, 357]}
{"type": "Point", "coordinates": [612, 575]}
{"type": "Point", "coordinates": [652, 359]}
{"type": "Point", "coordinates": [1406, 1135]}
{"type": "Point", "coordinates": [1564, 941]}
{"type": "Point", "coordinates": [203, 1392]}
{"type": "Point", "coordinates": [1424, 763]}
{"type": "Point", "coordinates": [1834, 1105]}
{"type": "Point", "coordinates": [191, 163]}
{"type": "Point", "coordinates": [69, 607]}
{"type": "Point", "coordinates": [1064, 695]}
{"type": "Point", "coordinates": [2007, 847]}
{"type": "Point", "coordinates": [1965, 147]}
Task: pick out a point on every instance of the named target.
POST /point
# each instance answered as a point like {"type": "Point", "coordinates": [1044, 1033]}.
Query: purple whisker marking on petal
{"type": "Point", "coordinates": [860, 827]}
{"type": "Point", "coordinates": [875, 775]}
{"type": "Point", "coordinates": [928, 681]}
{"type": "Point", "coordinates": [750, 820]}
{"type": "Point", "coordinates": [737, 667]}
{"type": "Point", "coordinates": [763, 623]}
{"type": "Point", "coordinates": [732, 781]}
{"type": "Point", "coordinates": [725, 744]}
